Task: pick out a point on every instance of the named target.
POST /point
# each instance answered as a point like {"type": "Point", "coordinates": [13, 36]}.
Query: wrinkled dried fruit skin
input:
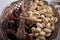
{"type": "Point", "coordinates": [11, 23]}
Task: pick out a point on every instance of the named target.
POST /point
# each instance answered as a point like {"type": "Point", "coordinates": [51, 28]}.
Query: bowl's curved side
{"type": "Point", "coordinates": [55, 33]}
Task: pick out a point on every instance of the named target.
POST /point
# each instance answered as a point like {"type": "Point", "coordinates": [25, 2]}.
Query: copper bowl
{"type": "Point", "coordinates": [19, 30]}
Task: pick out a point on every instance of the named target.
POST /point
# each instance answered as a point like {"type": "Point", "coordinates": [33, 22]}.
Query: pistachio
{"type": "Point", "coordinates": [36, 1]}
{"type": "Point", "coordinates": [56, 19]}
{"type": "Point", "coordinates": [41, 3]}
{"type": "Point", "coordinates": [39, 25]}
{"type": "Point", "coordinates": [52, 28]}
{"type": "Point", "coordinates": [36, 14]}
{"type": "Point", "coordinates": [35, 19]}
{"type": "Point", "coordinates": [42, 33]}
{"type": "Point", "coordinates": [48, 18]}
{"type": "Point", "coordinates": [48, 15]}
{"type": "Point", "coordinates": [32, 18]}
{"type": "Point", "coordinates": [39, 20]}
{"type": "Point", "coordinates": [33, 7]}
{"type": "Point", "coordinates": [47, 30]}
{"type": "Point", "coordinates": [48, 34]}
{"type": "Point", "coordinates": [33, 29]}
{"type": "Point", "coordinates": [52, 19]}
{"type": "Point", "coordinates": [45, 20]}
{"type": "Point", "coordinates": [37, 39]}
{"type": "Point", "coordinates": [43, 11]}
{"type": "Point", "coordinates": [36, 34]}
{"type": "Point", "coordinates": [49, 8]}
{"type": "Point", "coordinates": [38, 29]}
{"type": "Point", "coordinates": [30, 13]}
{"type": "Point", "coordinates": [39, 8]}
{"type": "Point", "coordinates": [42, 38]}
{"type": "Point", "coordinates": [48, 25]}
{"type": "Point", "coordinates": [43, 24]}
{"type": "Point", "coordinates": [42, 16]}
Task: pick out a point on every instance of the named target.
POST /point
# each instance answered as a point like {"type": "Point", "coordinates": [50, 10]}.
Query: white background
{"type": "Point", "coordinates": [4, 3]}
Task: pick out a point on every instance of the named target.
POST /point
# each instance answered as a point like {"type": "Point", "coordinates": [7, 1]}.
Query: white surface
{"type": "Point", "coordinates": [49, 1]}
{"type": "Point", "coordinates": [4, 3]}
{"type": "Point", "coordinates": [56, 0]}
{"type": "Point", "coordinates": [57, 6]}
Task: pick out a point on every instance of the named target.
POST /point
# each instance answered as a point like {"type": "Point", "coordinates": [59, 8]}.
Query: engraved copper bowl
{"type": "Point", "coordinates": [21, 33]}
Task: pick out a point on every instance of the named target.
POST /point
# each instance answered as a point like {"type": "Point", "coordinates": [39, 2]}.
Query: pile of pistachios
{"type": "Point", "coordinates": [43, 16]}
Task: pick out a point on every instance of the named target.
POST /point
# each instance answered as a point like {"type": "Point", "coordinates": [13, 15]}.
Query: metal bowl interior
{"type": "Point", "coordinates": [55, 33]}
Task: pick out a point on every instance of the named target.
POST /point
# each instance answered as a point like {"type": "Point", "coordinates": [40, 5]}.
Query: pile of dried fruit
{"type": "Point", "coordinates": [43, 20]}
